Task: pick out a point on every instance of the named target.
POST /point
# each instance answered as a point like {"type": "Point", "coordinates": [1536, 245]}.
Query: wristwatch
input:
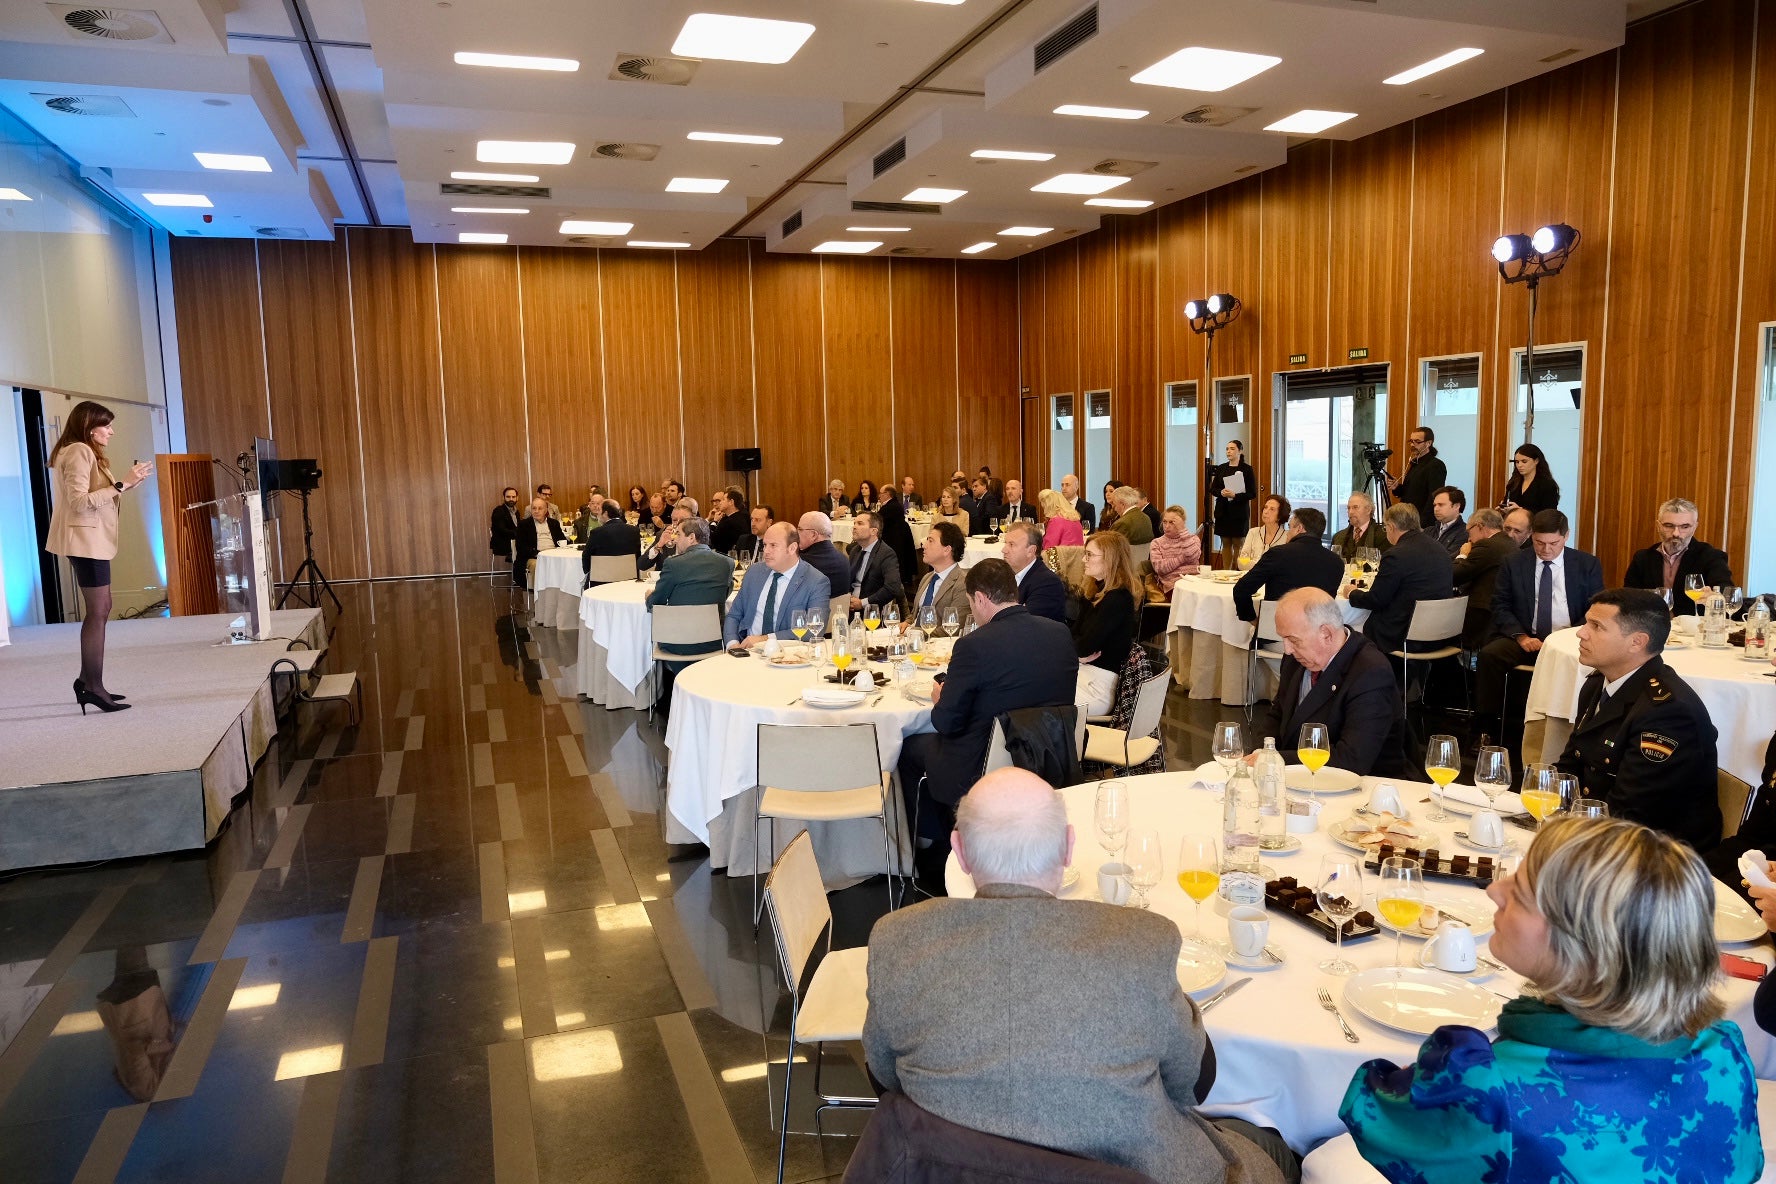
{"type": "Point", "coordinates": [117, 485]}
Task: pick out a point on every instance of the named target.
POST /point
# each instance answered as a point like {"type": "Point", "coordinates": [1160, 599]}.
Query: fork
{"type": "Point", "coordinates": [1326, 1002]}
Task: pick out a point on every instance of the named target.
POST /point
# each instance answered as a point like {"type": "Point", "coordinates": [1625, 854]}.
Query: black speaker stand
{"type": "Point", "coordinates": [317, 579]}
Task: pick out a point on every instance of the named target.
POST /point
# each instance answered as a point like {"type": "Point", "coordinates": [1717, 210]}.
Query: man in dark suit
{"type": "Point", "coordinates": [1425, 473]}
{"type": "Point", "coordinates": [984, 509]}
{"type": "Point", "coordinates": [535, 534]}
{"type": "Point", "coordinates": [502, 527]}
{"type": "Point", "coordinates": [814, 537]}
{"type": "Point", "coordinates": [874, 568]}
{"type": "Point", "coordinates": [1448, 505]}
{"type": "Point", "coordinates": [1039, 589]}
{"type": "Point", "coordinates": [1477, 570]}
{"type": "Point", "coordinates": [1014, 659]}
{"type": "Point", "coordinates": [1413, 568]}
{"type": "Point", "coordinates": [942, 590]}
{"type": "Point", "coordinates": [1538, 591]}
{"type": "Point", "coordinates": [1154, 518]}
{"type": "Point", "coordinates": [1642, 740]}
{"type": "Point", "coordinates": [725, 534]}
{"type": "Point", "coordinates": [1678, 555]}
{"type": "Point", "coordinates": [613, 536]}
{"type": "Point", "coordinates": [666, 541]}
{"type": "Point", "coordinates": [1335, 676]}
{"type": "Point", "coordinates": [909, 497]}
{"type": "Point", "coordinates": [694, 575]}
{"type": "Point", "coordinates": [1301, 561]}
{"type": "Point", "coordinates": [752, 544]}
{"type": "Point", "coordinates": [1016, 509]}
{"type": "Point", "coordinates": [834, 503]}
{"type": "Point", "coordinates": [1088, 513]}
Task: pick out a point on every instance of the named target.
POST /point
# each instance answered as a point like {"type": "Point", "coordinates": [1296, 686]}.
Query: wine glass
{"type": "Point", "coordinates": [1314, 749]}
{"type": "Point", "coordinates": [993, 526]}
{"type": "Point", "coordinates": [841, 647]}
{"type": "Point", "coordinates": [1734, 596]}
{"type": "Point", "coordinates": [1199, 875]}
{"type": "Point", "coordinates": [817, 621]}
{"type": "Point", "coordinates": [798, 623]}
{"type": "Point", "coordinates": [1399, 896]}
{"type": "Point", "coordinates": [1229, 745]}
{"type": "Point", "coordinates": [1340, 893]}
{"type": "Point", "coordinates": [1567, 789]}
{"type": "Point", "coordinates": [891, 617]}
{"type": "Point", "coordinates": [1541, 797]}
{"type": "Point", "coordinates": [1146, 862]}
{"type": "Point", "coordinates": [1442, 765]}
{"type": "Point", "coordinates": [1695, 587]}
{"type": "Point", "coordinates": [1590, 808]}
{"type": "Point", "coordinates": [928, 620]}
{"type": "Point", "coordinates": [950, 623]}
{"type": "Point", "coordinates": [872, 619]}
{"type": "Point", "coordinates": [1112, 816]}
{"type": "Point", "coordinates": [1492, 771]}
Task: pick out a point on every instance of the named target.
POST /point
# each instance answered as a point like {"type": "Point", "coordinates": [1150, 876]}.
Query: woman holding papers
{"type": "Point", "coordinates": [1232, 485]}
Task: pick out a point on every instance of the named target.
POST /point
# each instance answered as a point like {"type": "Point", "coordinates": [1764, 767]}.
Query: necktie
{"type": "Point", "coordinates": [770, 621]}
{"type": "Point", "coordinates": [1544, 622]}
{"type": "Point", "coordinates": [1313, 678]}
{"type": "Point", "coordinates": [930, 590]}
{"type": "Point", "coordinates": [1602, 699]}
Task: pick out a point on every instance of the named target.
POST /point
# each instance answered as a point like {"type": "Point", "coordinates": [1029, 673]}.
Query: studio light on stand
{"type": "Point", "coordinates": [1529, 259]}
{"type": "Point", "coordinates": [1209, 317]}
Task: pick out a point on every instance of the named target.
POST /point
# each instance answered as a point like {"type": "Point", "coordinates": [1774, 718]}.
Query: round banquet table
{"type": "Point", "coordinates": [712, 736]}
{"type": "Point", "coordinates": [557, 583]}
{"type": "Point", "coordinates": [979, 548]}
{"type": "Point", "coordinates": [1281, 1061]}
{"type": "Point", "coordinates": [1208, 643]}
{"type": "Point", "coordinates": [841, 534]}
{"type": "Point", "coordinates": [1740, 699]}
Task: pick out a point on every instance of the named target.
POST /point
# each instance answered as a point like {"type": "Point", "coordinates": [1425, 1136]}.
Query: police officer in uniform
{"type": "Point", "coordinates": [1642, 740]}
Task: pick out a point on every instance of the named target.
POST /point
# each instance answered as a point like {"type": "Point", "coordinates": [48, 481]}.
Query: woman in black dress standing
{"type": "Point", "coordinates": [1532, 487]}
{"type": "Point", "coordinates": [1233, 511]}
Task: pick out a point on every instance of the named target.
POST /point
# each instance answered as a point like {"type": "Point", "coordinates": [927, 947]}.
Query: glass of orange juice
{"type": "Point", "coordinates": [1399, 896]}
{"type": "Point", "coordinates": [1199, 875]}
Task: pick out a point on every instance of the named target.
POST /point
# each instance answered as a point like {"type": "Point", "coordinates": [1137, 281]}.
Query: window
{"type": "Point", "coordinates": [1060, 438]}
{"type": "Point", "coordinates": [1233, 396]}
{"type": "Point", "coordinates": [1760, 574]}
{"type": "Point", "coordinates": [1183, 448]}
{"type": "Point", "coordinates": [1097, 439]}
{"type": "Point", "coordinates": [1449, 404]}
{"type": "Point", "coordinates": [1558, 429]}
{"type": "Point", "coordinates": [1325, 419]}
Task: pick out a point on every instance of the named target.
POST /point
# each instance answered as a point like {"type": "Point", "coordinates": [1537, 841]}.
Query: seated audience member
{"type": "Point", "coordinates": [1364, 532]}
{"type": "Point", "coordinates": [1106, 627]}
{"type": "Point", "coordinates": [834, 503]}
{"type": "Point", "coordinates": [752, 544]}
{"type": "Point", "coordinates": [1130, 523]}
{"type": "Point", "coordinates": [814, 538]}
{"type": "Point", "coordinates": [536, 534]}
{"type": "Point", "coordinates": [1272, 528]}
{"type": "Point", "coordinates": [1537, 592]}
{"type": "Point", "coordinates": [941, 1027]}
{"type": "Point", "coordinates": [674, 491]}
{"type": "Point", "coordinates": [638, 505]}
{"type": "Point", "coordinates": [949, 509]}
{"type": "Point", "coordinates": [893, 529]}
{"type": "Point", "coordinates": [1517, 521]}
{"type": "Point", "coordinates": [773, 590]}
{"type": "Point", "coordinates": [984, 508]}
{"type": "Point", "coordinates": [667, 539]}
{"type": "Point", "coordinates": [502, 527]}
{"type": "Point", "coordinates": [1176, 551]}
{"type": "Point", "coordinates": [589, 511]}
{"type": "Point", "coordinates": [1154, 517]}
{"type": "Point", "coordinates": [1299, 562]}
{"type": "Point", "coordinates": [1039, 589]}
{"type": "Point", "coordinates": [1413, 568]}
{"type": "Point", "coordinates": [547, 493]}
{"type": "Point", "coordinates": [1616, 1065]}
{"type": "Point", "coordinates": [1641, 739]}
{"type": "Point", "coordinates": [615, 537]}
{"type": "Point", "coordinates": [1014, 659]}
{"type": "Point", "coordinates": [658, 516]}
{"type": "Point", "coordinates": [694, 574]}
{"type": "Point", "coordinates": [725, 535]}
{"type": "Point", "coordinates": [942, 590]}
{"type": "Point", "coordinates": [874, 568]}
{"type": "Point", "coordinates": [1107, 519]}
{"type": "Point", "coordinates": [909, 496]}
{"type": "Point", "coordinates": [1016, 508]}
{"type": "Point", "coordinates": [1061, 525]}
{"type": "Point", "coordinates": [867, 498]}
{"type": "Point", "coordinates": [1678, 555]}
{"type": "Point", "coordinates": [1335, 676]}
{"type": "Point", "coordinates": [1085, 510]}
{"type": "Point", "coordinates": [1756, 833]}
{"type": "Point", "coordinates": [1476, 573]}
{"type": "Point", "coordinates": [1447, 528]}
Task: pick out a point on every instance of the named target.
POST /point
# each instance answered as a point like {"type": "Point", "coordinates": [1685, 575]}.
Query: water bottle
{"type": "Point", "coordinates": [1242, 881]}
{"type": "Point", "coordinates": [1757, 629]}
{"type": "Point", "coordinates": [1267, 771]}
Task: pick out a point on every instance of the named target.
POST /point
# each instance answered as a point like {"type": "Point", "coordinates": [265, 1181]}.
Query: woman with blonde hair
{"type": "Point", "coordinates": [1060, 521]}
{"type": "Point", "coordinates": [1615, 1065]}
{"type": "Point", "coordinates": [1106, 629]}
{"type": "Point", "coordinates": [83, 527]}
{"type": "Point", "coordinates": [949, 509]}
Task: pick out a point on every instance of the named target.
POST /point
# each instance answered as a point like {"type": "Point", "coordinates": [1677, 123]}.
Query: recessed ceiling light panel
{"type": "Point", "coordinates": [1453, 58]}
{"type": "Point", "coordinates": [1092, 112]}
{"type": "Point", "coordinates": [471, 236]}
{"type": "Point", "coordinates": [1200, 68]}
{"type": "Point", "coordinates": [596, 229]}
{"type": "Point", "coordinates": [233, 163]}
{"type": "Point", "coordinates": [928, 193]}
{"type": "Point", "coordinates": [194, 200]}
{"type": "Point", "coordinates": [1024, 231]}
{"type": "Point", "coordinates": [733, 138]}
{"type": "Point", "coordinates": [8, 193]}
{"type": "Point", "coordinates": [741, 38]}
{"type": "Point", "coordinates": [513, 61]}
{"type": "Point", "coordinates": [1009, 154]}
{"type": "Point", "coordinates": [1308, 122]}
{"type": "Point", "coordinates": [519, 177]}
{"type": "Point", "coordinates": [839, 246]}
{"type": "Point", "coordinates": [1118, 203]}
{"type": "Point", "coordinates": [488, 210]}
{"type": "Point", "coordinates": [643, 242]}
{"type": "Point", "coordinates": [878, 229]}
{"type": "Point", "coordinates": [524, 152]}
{"type": "Point", "coordinates": [977, 248]}
{"type": "Point", "coordinates": [1079, 183]}
{"type": "Point", "coordinates": [696, 185]}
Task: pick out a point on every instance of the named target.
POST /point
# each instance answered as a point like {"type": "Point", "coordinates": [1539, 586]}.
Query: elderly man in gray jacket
{"type": "Point", "coordinates": [1053, 1022]}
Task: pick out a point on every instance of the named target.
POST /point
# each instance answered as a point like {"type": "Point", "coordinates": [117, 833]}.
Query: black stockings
{"type": "Point", "coordinates": [92, 639]}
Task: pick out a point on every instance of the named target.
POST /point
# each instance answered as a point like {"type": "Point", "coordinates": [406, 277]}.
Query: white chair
{"type": "Point", "coordinates": [998, 757]}
{"type": "Point", "coordinates": [1136, 746]}
{"type": "Point", "coordinates": [1142, 552]}
{"type": "Point", "coordinates": [611, 569]}
{"type": "Point", "coordinates": [837, 996]}
{"type": "Point", "coordinates": [1266, 630]}
{"type": "Point", "coordinates": [1736, 799]}
{"type": "Point", "coordinates": [683, 624]}
{"type": "Point", "coordinates": [1432, 620]}
{"type": "Point", "coordinates": [824, 773]}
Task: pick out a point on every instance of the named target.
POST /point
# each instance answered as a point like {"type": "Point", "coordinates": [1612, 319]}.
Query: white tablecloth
{"type": "Point", "coordinates": [1280, 1060]}
{"type": "Point", "coordinates": [1208, 642]}
{"type": "Point", "coordinates": [712, 735]}
{"type": "Point", "coordinates": [559, 578]}
{"type": "Point", "coordinates": [616, 647]}
{"type": "Point", "coordinates": [842, 531]}
{"type": "Point", "coordinates": [1740, 699]}
{"type": "Point", "coordinates": [979, 548]}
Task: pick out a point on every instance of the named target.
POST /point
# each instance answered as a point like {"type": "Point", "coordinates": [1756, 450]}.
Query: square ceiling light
{"type": "Point", "coordinates": [8, 193]}
{"type": "Point", "coordinates": [839, 246]}
{"type": "Point", "coordinates": [514, 61]}
{"type": "Point", "coordinates": [1118, 203]}
{"type": "Point", "coordinates": [1306, 123]}
{"type": "Point", "coordinates": [1454, 57]}
{"type": "Point", "coordinates": [935, 196]}
{"type": "Point", "coordinates": [473, 236]}
{"type": "Point", "coordinates": [879, 229]}
{"type": "Point", "coordinates": [1009, 154]}
{"type": "Point", "coordinates": [488, 210]}
{"type": "Point", "coordinates": [523, 152]}
{"type": "Point", "coordinates": [194, 200]}
{"type": "Point", "coordinates": [1092, 112]}
{"type": "Point", "coordinates": [741, 38]}
{"type": "Point", "coordinates": [519, 177]}
{"type": "Point", "coordinates": [1024, 231]}
{"type": "Point", "coordinates": [657, 245]}
{"type": "Point", "coordinates": [696, 185]}
{"type": "Point", "coordinates": [230, 162]}
{"type": "Point", "coordinates": [977, 248]}
{"type": "Point", "coordinates": [596, 229]}
{"type": "Point", "coordinates": [1199, 68]}
{"type": "Point", "coordinates": [1079, 183]}
{"type": "Point", "coordinates": [733, 138]}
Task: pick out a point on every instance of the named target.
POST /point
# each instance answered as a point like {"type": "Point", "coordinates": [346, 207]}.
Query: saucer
{"type": "Point", "coordinates": [1508, 847]}
{"type": "Point", "coordinates": [1234, 958]}
{"type": "Point", "coordinates": [1291, 844]}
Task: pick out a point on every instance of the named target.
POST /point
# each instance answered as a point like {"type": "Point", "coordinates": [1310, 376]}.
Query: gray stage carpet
{"type": "Point", "coordinates": [157, 777]}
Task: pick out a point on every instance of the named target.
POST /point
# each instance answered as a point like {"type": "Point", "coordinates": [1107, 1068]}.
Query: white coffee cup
{"type": "Point", "coordinates": [1386, 798]}
{"type": "Point", "coordinates": [1451, 948]}
{"type": "Point", "coordinates": [1487, 829]}
{"type": "Point", "coordinates": [1689, 626]}
{"type": "Point", "coordinates": [1301, 816]}
{"type": "Point", "coordinates": [1113, 883]}
{"type": "Point", "coordinates": [771, 647]}
{"type": "Point", "coordinates": [1248, 927]}
{"type": "Point", "coordinates": [1203, 569]}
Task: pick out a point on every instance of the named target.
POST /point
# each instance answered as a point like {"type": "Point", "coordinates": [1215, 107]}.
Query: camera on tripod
{"type": "Point", "coordinates": [1377, 455]}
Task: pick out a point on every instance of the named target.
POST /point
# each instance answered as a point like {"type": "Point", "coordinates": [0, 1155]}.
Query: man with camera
{"type": "Point", "coordinates": [1425, 473]}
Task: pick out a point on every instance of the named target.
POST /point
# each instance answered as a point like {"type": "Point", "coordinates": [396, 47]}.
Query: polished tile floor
{"type": "Point", "coordinates": [449, 944]}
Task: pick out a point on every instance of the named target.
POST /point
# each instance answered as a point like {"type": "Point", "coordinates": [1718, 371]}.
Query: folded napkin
{"type": "Point", "coordinates": [832, 695]}
{"type": "Point", "coordinates": [1751, 866]}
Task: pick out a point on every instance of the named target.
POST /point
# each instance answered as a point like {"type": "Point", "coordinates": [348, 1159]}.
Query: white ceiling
{"type": "Point", "coordinates": [363, 114]}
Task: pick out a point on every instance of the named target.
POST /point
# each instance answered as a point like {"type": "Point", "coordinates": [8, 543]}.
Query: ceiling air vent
{"type": "Point", "coordinates": [890, 156]}
{"type": "Point", "coordinates": [896, 207]}
{"type": "Point", "coordinates": [107, 106]}
{"type": "Point", "coordinates": [643, 67]}
{"type": "Point", "coordinates": [454, 189]}
{"type": "Point", "coordinates": [909, 250]}
{"type": "Point", "coordinates": [586, 240]}
{"type": "Point", "coordinates": [114, 24]}
{"type": "Point", "coordinates": [1066, 39]}
{"type": "Point", "coordinates": [621, 151]}
{"type": "Point", "coordinates": [1122, 168]}
{"type": "Point", "coordinates": [280, 232]}
{"type": "Point", "coordinates": [1559, 57]}
{"type": "Point", "coordinates": [792, 224]}
{"type": "Point", "coordinates": [1213, 115]}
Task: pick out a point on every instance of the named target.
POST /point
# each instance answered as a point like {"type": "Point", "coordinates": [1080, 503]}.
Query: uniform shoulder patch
{"type": "Point", "coordinates": [1657, 748]}
{"type": "Point", "coordinates": [1658, 690]}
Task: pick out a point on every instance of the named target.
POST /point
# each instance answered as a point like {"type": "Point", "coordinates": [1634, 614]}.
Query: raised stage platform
{"type": "Point", "coordinates": [158, 777]}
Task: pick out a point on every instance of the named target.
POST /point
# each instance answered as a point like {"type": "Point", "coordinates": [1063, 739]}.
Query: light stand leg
{"type": "Point", "coordinates": [316, 578]}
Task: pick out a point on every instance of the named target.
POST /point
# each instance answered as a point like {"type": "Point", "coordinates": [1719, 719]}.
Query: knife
{"type": "Point", "coordinates": [1223, 993]}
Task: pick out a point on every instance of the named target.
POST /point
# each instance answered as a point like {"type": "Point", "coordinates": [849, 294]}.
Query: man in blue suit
{"type": "Point", "coordinates": [773, 590]}
{"type": "Point", "coordinates": [1039, 589]}
{"type": "Point", "coordinates": [1539, 591]}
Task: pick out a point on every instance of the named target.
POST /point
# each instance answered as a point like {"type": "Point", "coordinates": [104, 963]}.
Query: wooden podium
{"type": "Point", "coordinates": [186, 479]}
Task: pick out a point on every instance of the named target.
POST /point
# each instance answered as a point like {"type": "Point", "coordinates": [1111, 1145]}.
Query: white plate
{"type": "Point", "coordinates": [1734, 920]}
{"type": "Point", "coordinates": [1410, 999]}
{"type": "Point", "coordinates": [1069, 878]}
{"type": "Point", "coordinates": [1330, 780]}
{"type": "Point", "coordinates": [1199, 969]}
{"type": "Point", "coordinates": [1343, 833]}
{"type": "Point", "coordinates": [832, 697]}
{"type": "Point", "coordinates": [1477, 913]}
{"type": "Point", "coordinates": [1508, 802]}
{"type": "Point", "coordinates": [1291, 844]}
{"type": "Point", "coordinates": [778, 663]}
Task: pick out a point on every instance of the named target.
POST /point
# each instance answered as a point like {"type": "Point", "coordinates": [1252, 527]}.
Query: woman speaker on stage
{"type": "Point", "coordinates": [83, 527]}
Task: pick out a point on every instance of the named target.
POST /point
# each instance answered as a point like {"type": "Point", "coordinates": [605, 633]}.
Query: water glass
{"type": "Point", "coordinates": [1339, 891]}
{"type": "Point", "coordinates": [1112, 816]}
{"type": "Point", "coordinates": [1146, 862]}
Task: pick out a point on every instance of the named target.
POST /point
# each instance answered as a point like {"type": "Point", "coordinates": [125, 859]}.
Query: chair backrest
{"type": "Point", "coordinates": [1438, 620]}
{"type": "Point", "coordinates": [1267, 621]}
{"type": "Point", "coordinates": [997, 756]}
{"type": "Point", "coordinates": [1141, 553]}
{"type": "Point", "coordinates": [795, 898]}
{"type": "Point", "coordinates": [818, 756]}
{"type": "Point", "coordinates": [1149, 705]}
{"type": "Point", "coordinates": [1079, 725]}
{"type": "Point", "coordinates": [839, 609]}
{"type": "Point", "coordinates": [611, 569]}
{"type": "Point", "coordinates": [687, 624]}
{"type": "Point", "coordinates": [1735, 802]}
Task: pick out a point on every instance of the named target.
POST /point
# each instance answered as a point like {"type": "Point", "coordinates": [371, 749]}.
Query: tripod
{"type": "Point", "coordinates": [317, 579]}
{"type": "Point", "coordinates": [1376, 486]}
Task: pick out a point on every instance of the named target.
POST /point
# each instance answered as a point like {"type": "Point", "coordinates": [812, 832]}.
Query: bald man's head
{"type": "Point", "coordinates": [1011, 828]}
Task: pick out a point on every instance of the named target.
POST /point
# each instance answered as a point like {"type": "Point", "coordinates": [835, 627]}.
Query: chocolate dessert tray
{"type": "Point", "coordinates": [1297, 901]}
{"type": "Point", "coordinates": [1475, 870]}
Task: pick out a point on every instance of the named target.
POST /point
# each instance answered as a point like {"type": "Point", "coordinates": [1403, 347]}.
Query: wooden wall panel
{"type": "Point", "coordinates": [395, 320]}
{"type": "Point", "coordinates": [1757, 304]}
{"type": "Point", "coordinates": [715, 343]}
{"type": "Point", "coordinates": [1234, 265]}
{"type": "Point", "coordinates": [927, 438]}
{"type": "Point", "coordinates": [1297, 277]}
{"type": "Point", "coordinates": [1181, 266]}
{"type": "Point", "coordinates": [563, 376]}
{"type": "Point", "coordinates": [988, 369]}
{"type": "Point", "coordinates": [314, 398]}
{"type": "Point", "coordinates": [854, 312]}
{"type": "Point", "coordinates": [792, 405]}
{"type": "Point", "coordinates": [1371, 206]}
{"type": "Point", "coordinates": [217, 312]}
{"type": "Point", "coordinates": [1097, 291]}
{"type": "Point", "coordinates": [644, 422]}
{"type": "Point", "coordinates": [1137, 449]}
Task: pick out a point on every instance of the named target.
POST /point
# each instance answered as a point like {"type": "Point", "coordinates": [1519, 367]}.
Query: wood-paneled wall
{"type": "Point", "coordinates": [1660, 153]}
{"type": "Point", "coordinates": [425, 379]}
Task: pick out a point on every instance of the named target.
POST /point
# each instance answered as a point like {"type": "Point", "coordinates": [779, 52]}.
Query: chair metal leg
{"type": "Point", "coordinates": [783, 1119]}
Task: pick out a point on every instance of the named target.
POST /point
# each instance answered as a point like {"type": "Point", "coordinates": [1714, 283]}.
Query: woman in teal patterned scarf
{"type": "Point", "coordinates": [1617, 1067]}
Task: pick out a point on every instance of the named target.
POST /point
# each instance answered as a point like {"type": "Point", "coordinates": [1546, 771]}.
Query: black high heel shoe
{"type": "Point", "coordinates": [80, 685]}
{"type": "Point", "coordinates": [87, 699]}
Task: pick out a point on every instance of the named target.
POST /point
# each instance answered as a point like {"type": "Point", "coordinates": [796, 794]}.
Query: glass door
{"type": "Point", "coordinates": [1097, 440]}
{"type": "Point", "coordinates": [1449, 404]}
{"type": "Point", "coordinates": [1325, 420]}
{"type": "Point", "coordinates": [1060, 438]}
{"type": "Point", "coordinates": [1183, 448]}
{"type": "Point", "coordinates": [1558, 430]}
